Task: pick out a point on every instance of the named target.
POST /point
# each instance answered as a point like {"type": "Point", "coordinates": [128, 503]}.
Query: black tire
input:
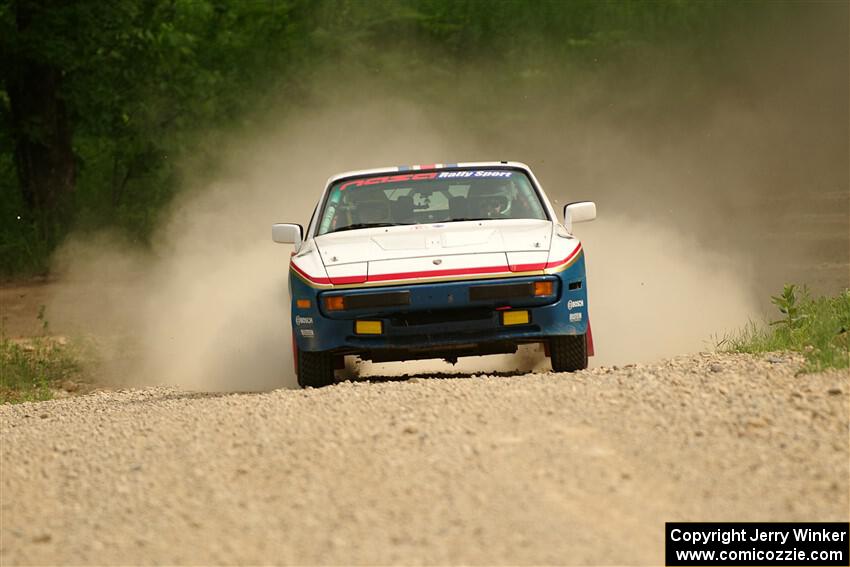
{"type": "Point", "coordinates": [568, 353]}
{"type": "Point", "coordinates": [315, 369]}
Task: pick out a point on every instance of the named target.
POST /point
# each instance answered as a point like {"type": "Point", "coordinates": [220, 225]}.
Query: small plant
{"type": "Point", "coordinates": [788, 305]}
{"type": "Point", "coordinates": [42, 318]}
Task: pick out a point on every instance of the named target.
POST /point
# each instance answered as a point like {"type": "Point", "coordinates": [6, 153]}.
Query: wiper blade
{"type": "Point", "coordinates": [365, 225]}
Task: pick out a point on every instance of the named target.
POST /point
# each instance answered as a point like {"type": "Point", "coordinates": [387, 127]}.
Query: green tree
{"type": "Point", "coordinates": [37, 112]}
{"type": "Point", "coordinates": [98, 100]}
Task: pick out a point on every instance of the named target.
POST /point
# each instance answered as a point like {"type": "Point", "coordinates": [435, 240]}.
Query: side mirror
{"type": "Point", "coordinates": [288, 234]}
{"type": "Point", "coordinates": [582, 211]}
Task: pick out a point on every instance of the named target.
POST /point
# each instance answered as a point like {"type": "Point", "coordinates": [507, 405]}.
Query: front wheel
{"type": "Point", "coordinates": [315, 369]}
{"type": "Point", "coordinates": [568, 353]}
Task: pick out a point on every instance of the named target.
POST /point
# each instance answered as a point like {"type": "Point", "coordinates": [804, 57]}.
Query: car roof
{"type": "Point", "coordinates": [427, 167]}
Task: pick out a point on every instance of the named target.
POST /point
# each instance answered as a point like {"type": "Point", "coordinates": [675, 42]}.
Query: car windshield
{"type": "Point", "coordinates": [429, 197]}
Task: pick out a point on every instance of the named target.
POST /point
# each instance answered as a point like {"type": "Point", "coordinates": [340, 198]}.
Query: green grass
{"type": "Point", "coordinates": [819, 328]}
{"type": "Point", "coordinates": [31, 368]}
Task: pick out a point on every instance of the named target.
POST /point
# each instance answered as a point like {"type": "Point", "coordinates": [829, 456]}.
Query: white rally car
{"type": "Point", "coordinates": [436, 261]}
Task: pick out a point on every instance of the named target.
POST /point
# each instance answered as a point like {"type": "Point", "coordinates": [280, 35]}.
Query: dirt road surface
{"type": "Point", "coordinates": [539, 468]}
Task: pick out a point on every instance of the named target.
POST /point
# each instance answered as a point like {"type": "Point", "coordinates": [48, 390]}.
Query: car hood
{"type": "Point", "coordinates": [415, 249]}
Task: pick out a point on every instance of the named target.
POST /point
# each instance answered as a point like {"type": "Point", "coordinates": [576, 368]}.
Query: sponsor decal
{"type": "Point", "coordinates": [478, 173]}
{"type": "Point", "coordinates": [299, 320]}
{"type": "Point", "coordinates": [575, 303]}
{"type": "Point", "coordinates": [575, 317]}
{"type": "Point", "coordinates": [387, 179]}
{"type": "Point", "coordinates": [307, 333]}
{"type": "Point", "coordinates": [422, 176]}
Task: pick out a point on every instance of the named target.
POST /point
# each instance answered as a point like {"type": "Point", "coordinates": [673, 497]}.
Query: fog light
{"type": "Point", "coordinates": [302, 303]}
{"type": "Point", "coordinates": [515, 317]}
{"type": "Point", "coordinates": [335, 303]}
{"type": "Point", "coordinates": [368, 327]}
{"type": "Point", "coordinates": [544, 288]}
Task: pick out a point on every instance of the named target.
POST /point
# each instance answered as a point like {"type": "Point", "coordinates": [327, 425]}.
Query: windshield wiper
{"type": "Point", "coordinates": [366, 225]}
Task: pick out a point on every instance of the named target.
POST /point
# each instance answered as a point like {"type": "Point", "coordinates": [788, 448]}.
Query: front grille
{"type": "Point", "coordinates": [383, 299]}
{"type": "Point", "coordinates": [501, 291]}
{"type": "Point", "coordinates": [437, 316]}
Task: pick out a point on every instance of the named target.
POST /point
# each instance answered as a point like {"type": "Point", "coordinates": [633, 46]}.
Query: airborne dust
{"type": "Point", "coordinates": [713, 188]}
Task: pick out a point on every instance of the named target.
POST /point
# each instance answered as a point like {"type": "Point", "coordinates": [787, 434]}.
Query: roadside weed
{"type": "Point", "coordinates": [30, 367]}
{"type": "Point", "coordinates": [819, 328]}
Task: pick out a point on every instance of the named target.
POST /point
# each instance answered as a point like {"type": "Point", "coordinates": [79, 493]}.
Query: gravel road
{"type": "Point", "coordinates": [540, 468]}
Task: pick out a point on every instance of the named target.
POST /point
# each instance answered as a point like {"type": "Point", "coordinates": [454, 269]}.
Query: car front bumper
{"type": "Point", "coordinates": [439, 320]}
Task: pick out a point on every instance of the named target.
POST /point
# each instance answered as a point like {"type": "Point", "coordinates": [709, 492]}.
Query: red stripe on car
{"type": "Point", "coordinates": [342, 280]}
{"type": "Point", "coordinates": [565, 260]}
{"type": "Point", "coordinates": [438, 273]}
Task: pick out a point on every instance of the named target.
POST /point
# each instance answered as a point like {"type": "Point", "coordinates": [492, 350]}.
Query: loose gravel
{"type": "Point", "coordinates": [539, 468]}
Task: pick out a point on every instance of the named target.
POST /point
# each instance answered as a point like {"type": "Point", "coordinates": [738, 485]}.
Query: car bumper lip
{"type": "Point", "coordinates": [340, 335]}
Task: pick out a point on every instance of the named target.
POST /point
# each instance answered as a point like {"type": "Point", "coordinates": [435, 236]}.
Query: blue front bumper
{"type": "Point", "coordinates": [440, 316]}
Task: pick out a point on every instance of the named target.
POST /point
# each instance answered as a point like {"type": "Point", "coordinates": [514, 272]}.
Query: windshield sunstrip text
{"type": "Point", "coordinates": [422, 177]}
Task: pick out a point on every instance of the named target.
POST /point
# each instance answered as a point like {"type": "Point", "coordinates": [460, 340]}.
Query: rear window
{"type": "Point", "coordinates": [429, 197]}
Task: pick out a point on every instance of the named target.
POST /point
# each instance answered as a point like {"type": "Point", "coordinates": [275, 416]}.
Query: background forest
{"type": "Point", "coordinates": [102, 101]}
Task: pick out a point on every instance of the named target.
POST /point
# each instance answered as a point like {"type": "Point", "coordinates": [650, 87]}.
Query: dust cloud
{"type": "Point", "coordinates": [207, 308]}
{"type": "Point", "coordinates": [697, 180]}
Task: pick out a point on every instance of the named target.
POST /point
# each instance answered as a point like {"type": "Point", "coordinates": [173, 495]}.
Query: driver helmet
{"type": "Point", "coordinates": [490, 200]}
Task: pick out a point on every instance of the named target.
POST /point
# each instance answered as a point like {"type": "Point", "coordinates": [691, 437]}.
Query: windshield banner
{"type": "Point", "coordinates": [424, 176]}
